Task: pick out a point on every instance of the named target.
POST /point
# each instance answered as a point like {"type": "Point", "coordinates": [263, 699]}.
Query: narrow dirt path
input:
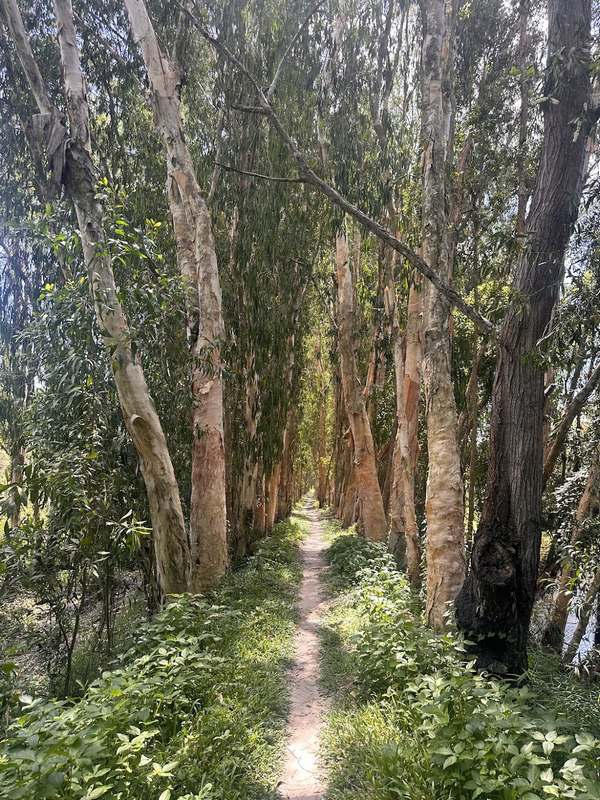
{"type": "Point", "coordinates": [301, 779]}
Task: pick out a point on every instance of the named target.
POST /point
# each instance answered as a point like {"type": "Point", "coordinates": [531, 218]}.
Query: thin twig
{"type": "Point", "coordinates": [275, 178]}
{"type": "Point", "coordinates": [293, 40]}
{"type": "Point", "coordinates": [248, 109]}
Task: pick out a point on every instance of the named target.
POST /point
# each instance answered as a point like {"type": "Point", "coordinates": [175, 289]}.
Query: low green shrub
{"type": "Point", "coordinates": [427, 725]}
{"type": "Point", "coordinates": [194, 711]}
{"type": "Point", "coordinates": [349, 554]}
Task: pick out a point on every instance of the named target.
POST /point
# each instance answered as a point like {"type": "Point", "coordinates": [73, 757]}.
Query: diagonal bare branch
{"type": "Point", "coordinates": [307, 175]}
{"type": "Point", "coordinates": [274, 178]}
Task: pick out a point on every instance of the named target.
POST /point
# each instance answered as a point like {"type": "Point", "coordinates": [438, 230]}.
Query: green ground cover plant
{"type": "Point", "coordinates": [411, 722]}
{"type": "Point", "coordinates": [195, 710]}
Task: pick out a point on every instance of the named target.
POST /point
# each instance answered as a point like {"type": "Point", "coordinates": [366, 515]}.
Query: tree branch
{"type": "Point", "coordinates": [307, 175]}
{"type": "Point", "coordinates": [561, 431]}
{"type": "Point", "coordinates": [274, 178]}
{"type": "Point", "coordinates": [32, 72]}
{"type": "Point", "coordinates": [293, 40]}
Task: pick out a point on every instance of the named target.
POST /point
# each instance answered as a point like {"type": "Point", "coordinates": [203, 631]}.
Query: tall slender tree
{"type": "Point", "coordinates": [197, 261]}
{"type": "Point", "coordinates": [444, 502]}
{"type": "Point", "coordinates": [70, 154]}
{"type": "Point", "coordinates": [495, 605]}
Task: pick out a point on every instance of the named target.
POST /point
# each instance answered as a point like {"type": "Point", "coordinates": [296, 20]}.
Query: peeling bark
{"type": "Point", "coordinates": [197, 262]}
{"type": "Point", "coordinates": [72, 154]}
{"type": "Point", "coordinates": [444, 501]}
{"type": "Point", "coordinates": [370, 501]}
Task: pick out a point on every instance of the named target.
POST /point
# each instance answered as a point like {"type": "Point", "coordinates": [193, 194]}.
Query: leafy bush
{"type": "Point", "coordinates": [349, 554]}
{"type": "Point", "coordinates": [195, 706]}
{"type": "Point", "coordinates": [429, 726]}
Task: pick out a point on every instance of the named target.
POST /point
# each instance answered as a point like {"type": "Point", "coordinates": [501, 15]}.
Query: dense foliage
{"type": "Point", "coordinates": [416, 723]}
{"type": "Point", "coordinates": [194, 709]}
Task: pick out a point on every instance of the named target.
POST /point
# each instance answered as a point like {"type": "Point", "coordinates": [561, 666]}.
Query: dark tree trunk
{"type": "Point", "coordinates": [494, 606]}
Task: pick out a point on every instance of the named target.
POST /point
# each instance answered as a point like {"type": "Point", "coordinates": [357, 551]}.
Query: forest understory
{"type": "Point", "coordinates": [299, 399]}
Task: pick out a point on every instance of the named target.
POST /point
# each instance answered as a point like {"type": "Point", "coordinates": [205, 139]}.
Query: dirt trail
{"type": "Point", "coordinates": [301, 779]}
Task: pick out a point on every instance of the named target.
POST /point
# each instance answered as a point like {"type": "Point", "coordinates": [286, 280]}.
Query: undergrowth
{"type": "Point", "coordinates": [195, 710]}
{"type": "Point", "coordinates": [412, 721]}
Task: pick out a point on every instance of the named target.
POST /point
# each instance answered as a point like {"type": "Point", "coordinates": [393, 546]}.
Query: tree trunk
{"type": "Point", "coordinates": [369, 494]}
{"type": "Point", "coordinates": [561, 432]}
{"type": "Point", "coordinates": [409, 445]}
{"type": "Point", "coordinates": [247, 494]}
{"type": "Point", "coordinates": [272, 495]}
{"type": "Point", "coordinates": [583, 618]}
{"type": "Point", "coordinates": [321, 443]}
{"type": "Point", "coordinates": [197, 262]}
{"type": "Point", "coordinates": [524, 89]}
{"type": "Point", "coordinates": [78, 173]}
{"type": "Point", "coordinates": [407, 364]}
{"type": "Point", "coordinates": [260, 511]}
{"type": "Point", "coordinates": [589, 505]}
{"type": "Point", "coordinates": [494, 608]}
{"type": "Point", "coordinates": [444, 501]}
{"type": "Point", "coordinates": [403, 538]}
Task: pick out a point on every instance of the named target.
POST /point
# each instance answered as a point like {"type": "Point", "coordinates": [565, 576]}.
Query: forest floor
{"type": "Point", "coordinates": [301, 778]}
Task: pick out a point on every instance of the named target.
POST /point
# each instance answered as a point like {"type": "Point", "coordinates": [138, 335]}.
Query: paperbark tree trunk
{"type": "Point", "coordinates": [372, 514]}
{"type": "Point", "coordinates": [584, 617]}
{"type": "Point", "coordinates": [321, 444]}
{"type": "Point", "coordinates": [561, 432]}
{"type": "Point", "coordinates": [494, 607]}
{"type": "Point", "coordinates": [409, 445]}
{"type": "Point", "coordinates": [404, 531]}
{"type": "Point", "coordinates": [444, 500]}
{"type": "Point", "coordinates": [247, 492]}
{"type": "Point", "coordinates": [272, 495]}
{"type": "Point", "coordinates": [285, 498]}
{"type": "Point", "coordinates": [260, 511]}
{"type": "Point", "coordinates": [197, 262]}
{"type": "Point", "coordinates": [524, 89]}
{"type": "Point", "coordinates": [589, 505]}
{"type": "Point", "coordinates": [79, 177]}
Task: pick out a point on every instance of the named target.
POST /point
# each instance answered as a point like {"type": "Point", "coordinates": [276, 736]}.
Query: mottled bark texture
{"type": "Point", "coordinates": [71, 153]}
{"type": "Point", "coordinates": [444, 501]}
{"type": "Point", "coordinates": [197, 262]}
{"type": "Point", "coordinates": [494, 607]}
{"type": "Point", "coordinates": [403, 537]}
{"type": "Point", "coordinates": [371, 511]}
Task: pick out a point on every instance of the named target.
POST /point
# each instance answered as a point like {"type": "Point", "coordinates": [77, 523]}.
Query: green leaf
{"type": "Point", "coordinates": [97, 792]}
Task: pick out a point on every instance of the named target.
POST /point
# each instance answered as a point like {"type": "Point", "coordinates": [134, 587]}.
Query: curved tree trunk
{"type": "Point", "coordinates": [79, 176]}
{"type": "Point", "coordinates": [561, 432]}
{"type": "Point", "coordinates": [585, 613]}
{"type": "Point", "coordinates": [370, 501]}
{"type": "Point", "coordinates": [589, 505]}
{"type": "Point", "coordinates": [444, 502]}
{"type": "Point", "coordinates": [494, 608]}
{"type": "Point", "coordinates": [197, 261]}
